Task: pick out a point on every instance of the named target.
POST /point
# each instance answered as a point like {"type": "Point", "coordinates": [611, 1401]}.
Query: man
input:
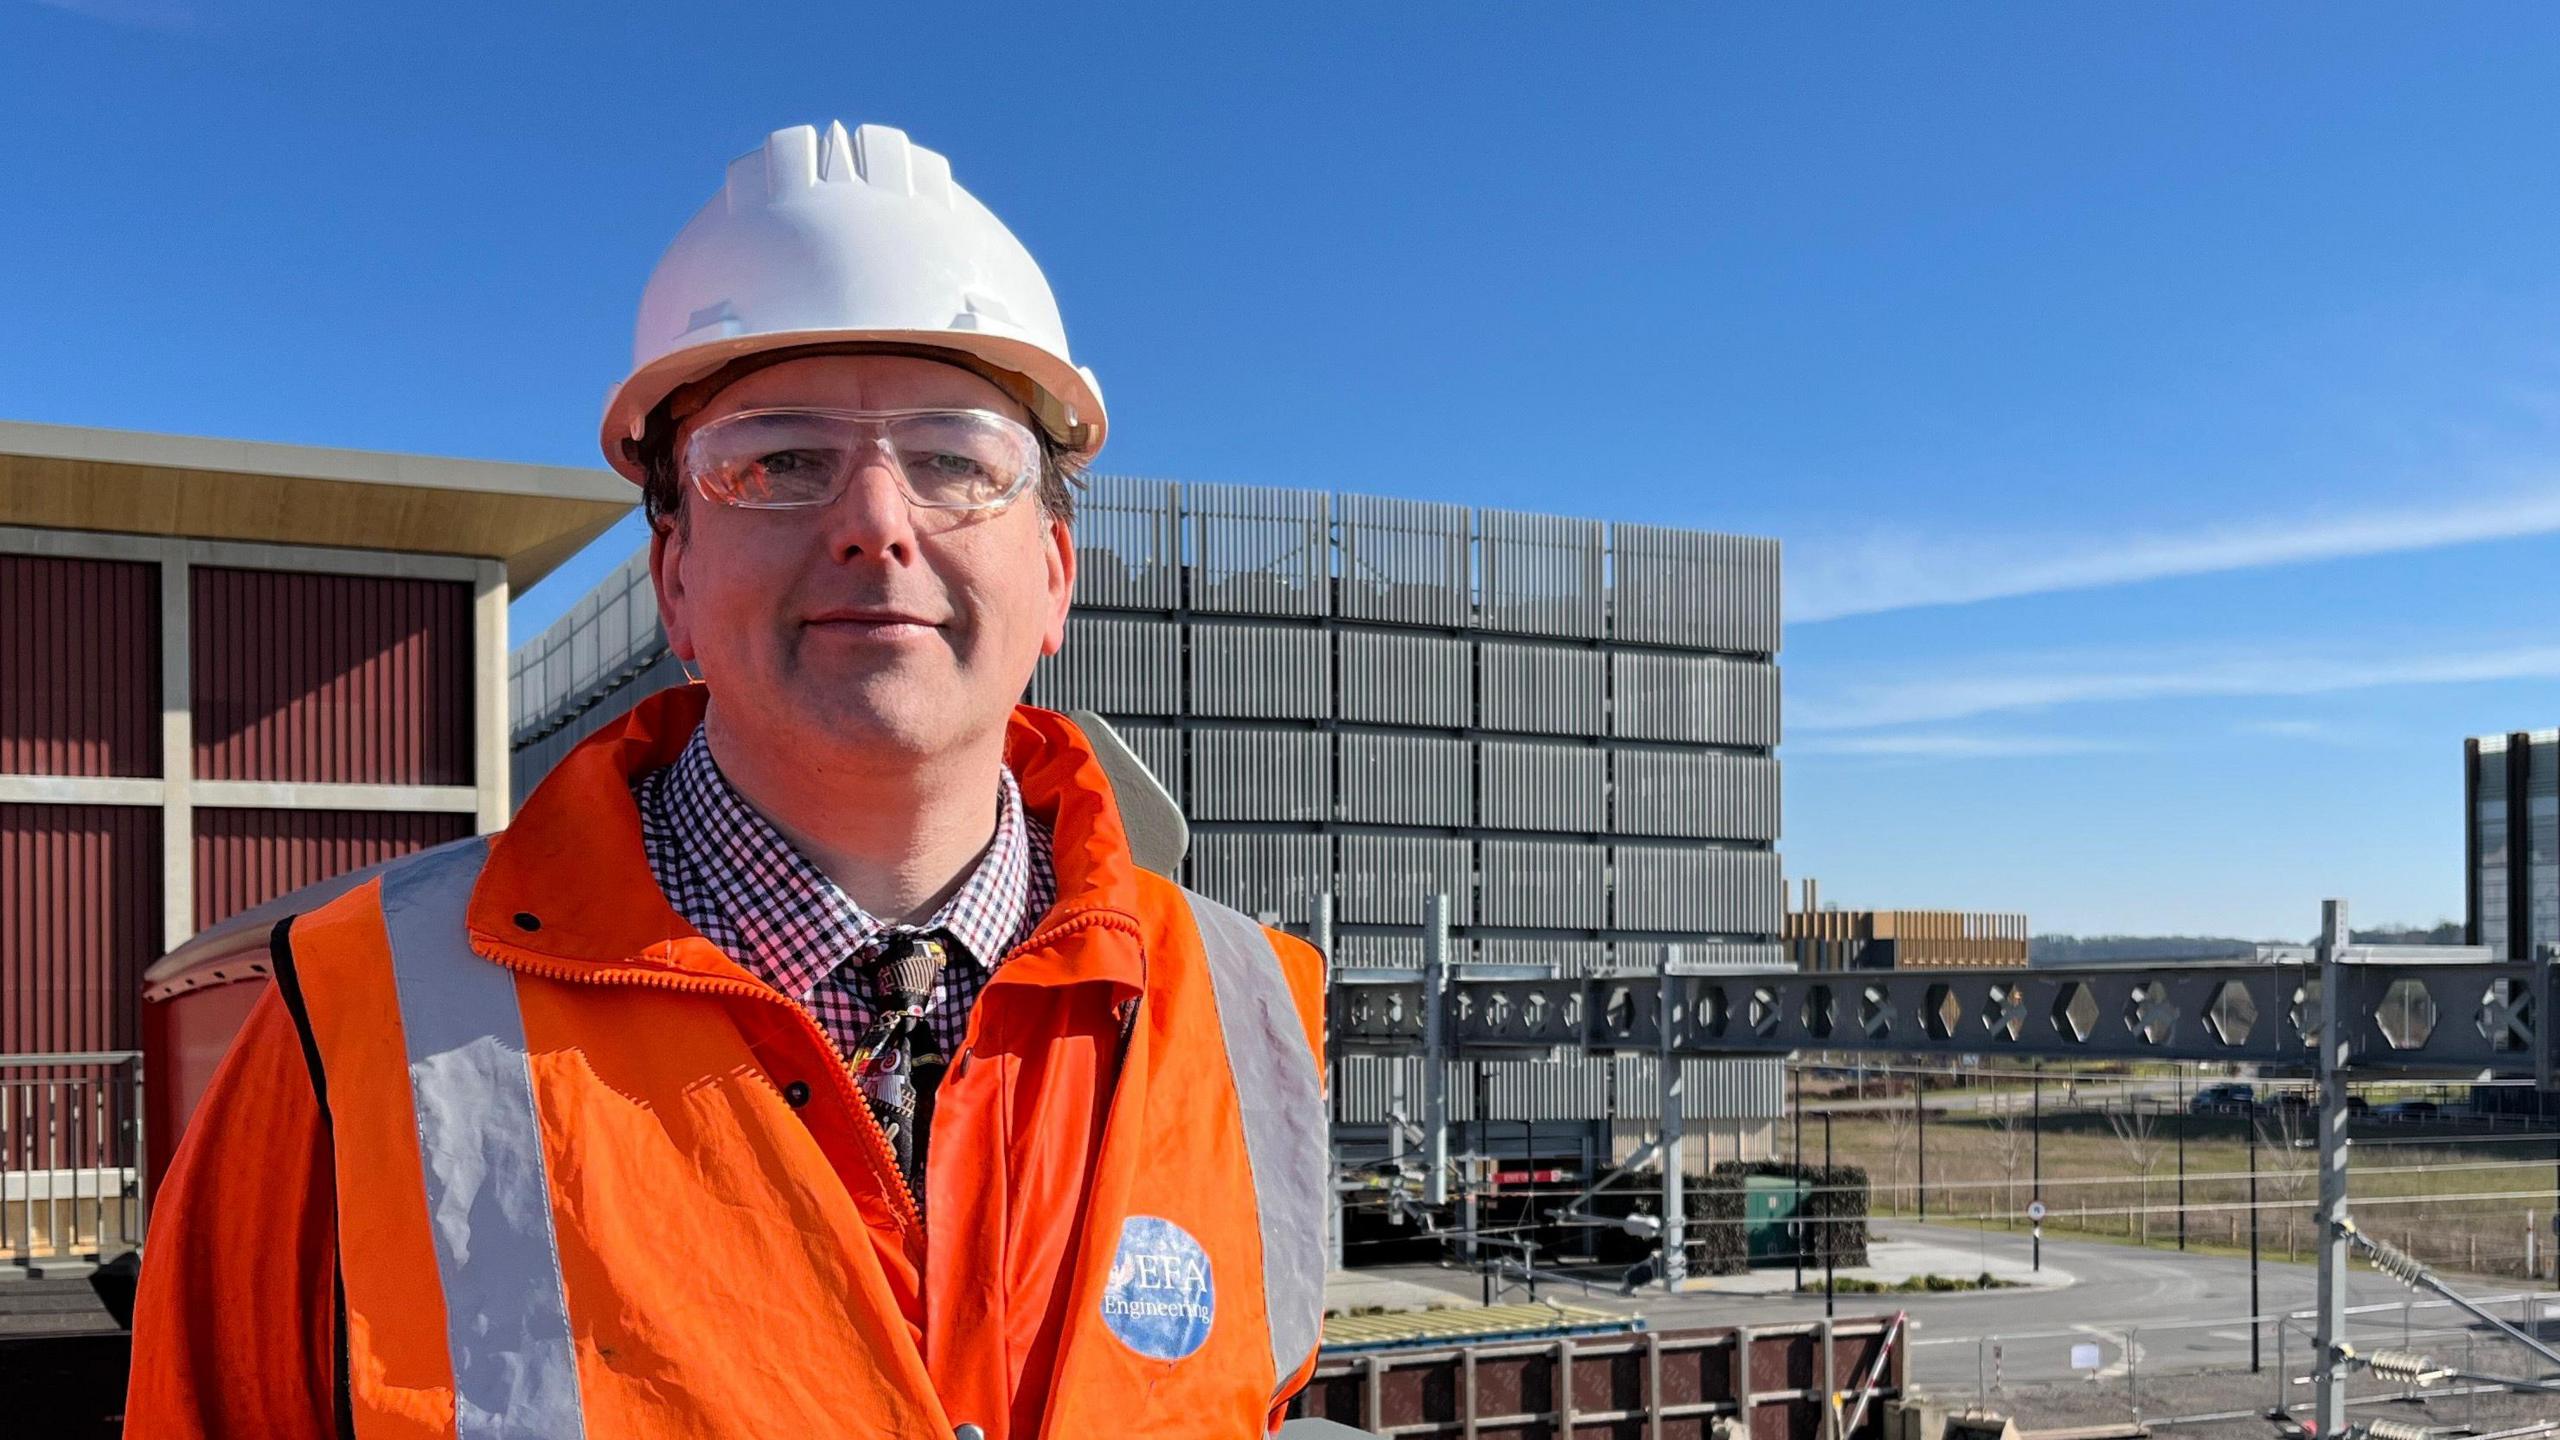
{"type": "Point", "coordinates": [810, 1057]}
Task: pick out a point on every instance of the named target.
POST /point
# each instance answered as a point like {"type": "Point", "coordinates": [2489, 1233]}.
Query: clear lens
{"type": "Point", "coordinates": [792, 459]}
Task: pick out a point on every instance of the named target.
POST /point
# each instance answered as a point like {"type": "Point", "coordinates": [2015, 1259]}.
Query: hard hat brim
{"type": "Point", "coordinates": [1067, 406]}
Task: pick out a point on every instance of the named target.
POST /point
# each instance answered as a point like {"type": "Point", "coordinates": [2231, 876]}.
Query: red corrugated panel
{"type": "Point", "coordinates": [79, 666]}
{"type": "Point", "coordinates": [79, 919]}
{"type": "Point", "coordinates": [344, 679]}
{"type": "Point", "coordinates": [248, 857]}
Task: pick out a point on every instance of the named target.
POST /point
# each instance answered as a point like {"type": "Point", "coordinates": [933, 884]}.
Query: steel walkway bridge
{"type": "Point", "coordinates": [2335, 1010]}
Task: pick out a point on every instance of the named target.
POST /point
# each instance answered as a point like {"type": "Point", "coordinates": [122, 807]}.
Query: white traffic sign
{"type": "Point", "coordinates": [2035, 1210]}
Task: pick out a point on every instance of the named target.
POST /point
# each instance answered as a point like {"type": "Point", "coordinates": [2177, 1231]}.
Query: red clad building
{"type": "Point", "coordinates": [227, 670]}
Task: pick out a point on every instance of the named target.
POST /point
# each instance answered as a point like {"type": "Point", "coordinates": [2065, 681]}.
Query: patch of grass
{"type": "Point", "coordinates": [2460, 1201]}
{"type": "Point", "coordinates": [1923, 1284]}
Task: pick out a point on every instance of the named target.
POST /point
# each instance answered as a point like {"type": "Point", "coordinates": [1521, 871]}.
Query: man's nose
{"type": "Point", "coordinates": [872, 516]}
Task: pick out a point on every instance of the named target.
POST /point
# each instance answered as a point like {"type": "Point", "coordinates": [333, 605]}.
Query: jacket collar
{"type": "Point", "coordinates": [569, 880]}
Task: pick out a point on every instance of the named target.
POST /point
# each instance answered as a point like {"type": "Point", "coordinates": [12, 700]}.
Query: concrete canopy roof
{"type": "Point", "coordinates": [532, 517]}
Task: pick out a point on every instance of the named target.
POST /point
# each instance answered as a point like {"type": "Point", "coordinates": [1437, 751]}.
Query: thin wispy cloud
{"type": "Point", "coordinates": [1831, 579]}
{"type": "Point", "coordinates": [1943, 746]}
{"type": "Point", "coordinates": [2319, 732]}
{"type": "Point", "coordinates": [131, 14]}
{"type": "Point", "coordinates": [1967, 690]}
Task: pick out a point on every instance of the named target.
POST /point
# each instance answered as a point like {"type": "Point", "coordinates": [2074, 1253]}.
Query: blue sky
{"type": "Point", "coordinates": [2160, 404]}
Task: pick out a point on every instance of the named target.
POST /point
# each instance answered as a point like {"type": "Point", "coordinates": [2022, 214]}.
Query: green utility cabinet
{"type": "Point", "coordinates": [1770, 1204]}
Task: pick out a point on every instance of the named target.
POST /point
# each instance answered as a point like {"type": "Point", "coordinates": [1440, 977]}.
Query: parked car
{"type": "Point", "coordinates": [2408, 1110]}
{"type": "Point", "coordinates": [2222, 1099]}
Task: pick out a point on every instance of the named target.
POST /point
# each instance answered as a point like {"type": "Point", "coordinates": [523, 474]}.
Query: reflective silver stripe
{"type": "Point", "coordinates": [1284, 1122]}
{"type": "Point", "coordinates": [515, 1371]}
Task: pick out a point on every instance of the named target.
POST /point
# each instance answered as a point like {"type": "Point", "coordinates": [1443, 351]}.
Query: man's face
{"type": "Point", "coordinates": [866, 624]}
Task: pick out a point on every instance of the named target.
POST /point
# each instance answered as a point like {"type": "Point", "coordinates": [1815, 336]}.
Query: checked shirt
{"type": "Point", "coordinates": [734, 877]}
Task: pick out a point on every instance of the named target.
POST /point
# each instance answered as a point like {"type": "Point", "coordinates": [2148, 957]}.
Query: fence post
{"type": "Point", "coordinates": [2133, 1373]}
{"type": "Point", "coordinates": [1744, 1403]}
{"type": "Point", "coordinates": [1830, 1383]}
{"type": "Point", "coordinates": [1564, 1388]}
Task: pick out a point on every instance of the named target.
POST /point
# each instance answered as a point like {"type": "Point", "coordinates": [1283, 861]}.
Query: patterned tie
{"type": "Point", "coordinates": [892, 1075]}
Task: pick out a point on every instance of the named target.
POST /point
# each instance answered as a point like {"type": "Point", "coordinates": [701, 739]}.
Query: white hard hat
{"type": "Point", "coordinates": [824, 239]}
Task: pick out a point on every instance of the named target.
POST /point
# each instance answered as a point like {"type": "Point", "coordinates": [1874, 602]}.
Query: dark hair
{"type": "Point", "coordinates": [662, 494]}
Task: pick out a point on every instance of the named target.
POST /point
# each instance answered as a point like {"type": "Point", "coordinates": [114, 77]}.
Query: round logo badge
{"type": "Point", "coordinates": [1161, 1297]}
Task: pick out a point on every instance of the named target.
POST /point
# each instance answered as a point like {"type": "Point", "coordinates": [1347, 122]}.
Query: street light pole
{"type": "Point", "coordinates": [2182, 1157]}
{"type": "Point", "coordinates": [2253, 1236]}
{"type": "Point", "coordinates": [1800, 1193]}
{"type": "Point", "coordinates": [1830, 1236]}
{"type": "Point", "coordinates": [2035, 1134]}
{"type": "Point", "coordinates": [1920, 1119]}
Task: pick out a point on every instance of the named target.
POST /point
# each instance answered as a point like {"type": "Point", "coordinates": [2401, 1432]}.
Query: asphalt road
{"type": "Point", "coordinates": [2146, 1310]}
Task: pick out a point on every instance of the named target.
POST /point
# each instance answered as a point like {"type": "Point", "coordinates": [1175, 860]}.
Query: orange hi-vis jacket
{"type": "Point", "coordinates": [590, 1177]}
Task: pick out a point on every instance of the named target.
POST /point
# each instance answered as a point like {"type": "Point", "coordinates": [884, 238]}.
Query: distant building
{"type": "Point", "coordinates": [1834, 939]}
{"type": "Point", "coordinates": [2511, 832]}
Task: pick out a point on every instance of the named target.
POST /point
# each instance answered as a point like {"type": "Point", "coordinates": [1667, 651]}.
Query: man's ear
{"type": "Point", "coordinates": [670, 541]}
{"type": "Point", "coordinates": [1059, 556]}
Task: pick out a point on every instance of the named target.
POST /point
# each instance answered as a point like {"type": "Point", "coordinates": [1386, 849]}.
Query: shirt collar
{"type": "Point", "coordinates": [794, 925]}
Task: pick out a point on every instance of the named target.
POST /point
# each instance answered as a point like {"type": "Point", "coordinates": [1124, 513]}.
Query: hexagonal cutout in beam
{"type": "Point", "coordinates": [2505, 1018]}
{"type": "Point", "coordinates": [1710, 1010]}
{"type": "Point", "coordinates": [1767, 1010]}
{"type": "Point", "coordinates": [2075, 1012]}
{"type": "Point", "coordinates": [2303, 1014]}
{"type": "Point", "coordinates": [2004, 1011]}
{"type": "Point", "coordinates": [1821, 1012]}
{"type": "Point", "coordinates": [2231, 1014]}
{"type": "Point", "coordinates": [1940, 1012]}
{"type": "Point", "coordinates": [2150, 1014]}
{"type": "Point", "coordinates": [2407, 1015]}
{"type": "Point", "coordinates": [1875, 1012]}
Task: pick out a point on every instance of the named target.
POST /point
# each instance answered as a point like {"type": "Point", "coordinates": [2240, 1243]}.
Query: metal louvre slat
{"type": "Point", "coordinates": [1406, 560]}
{"type": "Point", "coordinates": [1570, 957]}
{"type": "Point", "coordinates": [1387, 878]}
{"type": "Point", "coordinates": [1160, 748]}
{"type": "Point", "coordinates": [1240, 774]}
{"type": "Point", "coordinates": [534, 760]}
{"type": "Point", "coordinates": [1260, 551]}
{"type": "Point", "coordinates": [1260, 671]}
{"type": "Point", "coordinates": [1543, 574]}
{"type": "Point", "coordinates": [1263, 874]}
{"type": "Point", "coordinates": [1696, 794]}
{"type": "Point", "coordinates": [1574, 1088]}
{"type": "Point", "coordinates": [1685, 587]}
{"type": "Point", "coordinates": [1555, 884]}
{"type": "Point", "coordinates": [1367, 1092]}
{"type": "Point", "coordinates": [1405, 679]}
{"type": "Point", "coordinates": [1402, 949]}
{"type": "Point", "coordinates": [1705, 698]}
{"type": "Point", "coordinates": [1406, 780]}
{"type": "Point", "coordinates": [1548, 689]}
{"type": "Point", "coordinates": [1718, 1089]}
{"type": "Point", "coordinates": [1129, 543]}
{"type": "Point", "coordinates": [1538, 785]}
{"type": "Point", "coordinates": [1695, 888]}
{"type": "Point", "coordinates": [1114, 664]}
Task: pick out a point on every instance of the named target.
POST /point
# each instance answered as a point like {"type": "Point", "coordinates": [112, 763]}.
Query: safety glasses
{"type": "Point", "coordinates": [796, 459]}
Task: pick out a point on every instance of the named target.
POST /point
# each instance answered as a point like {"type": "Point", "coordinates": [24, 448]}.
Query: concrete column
{"type": "Point", "coordinates": [491, 705]}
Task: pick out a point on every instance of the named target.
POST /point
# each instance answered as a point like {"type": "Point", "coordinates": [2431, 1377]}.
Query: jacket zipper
{"type": "Point", "coordinates": [884, 1156]}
